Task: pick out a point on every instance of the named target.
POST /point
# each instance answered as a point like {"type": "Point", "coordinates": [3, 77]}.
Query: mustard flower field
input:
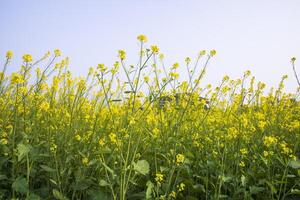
{"type": "Point", "coordinates": [144, 132]}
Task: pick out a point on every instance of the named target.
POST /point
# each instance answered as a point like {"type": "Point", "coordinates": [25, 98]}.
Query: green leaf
{"type": "Point", "coordinates": [191, 198]}
{"type": "Point", "coordinates": [272, 187]}
{"type": "Point", "coordinates": [96, 195]}
{"type": "Point", "coordinates": [223, 196]}
{"type": "Point", "coordinates": [199, 188]}
{"type": "Point", "coordinates": [103, 183]}
{"type": "Point", "coordinates": [82, 184]}
{"type": "Point", "coordinates": [295, 191]}
{"type": "Point", "coordinates": [226, 179]}
{"type": "Point", "coordinates": [3, 177]}
{"type": "Point", "coordinates": [33, 196]}
{"type": "Point", "coordinates": [47, 169]}
{"type": "Point", "coordinates": [58, 195]}
{"type": "Point", "coordinates": [142, 167]}
{"type": "Point", "coordinates": [53, 181]}
{"type": "Point", "coordinates": [109, 169]}
{"type": "Point", "coordinates": [255, 189]}
{"type": "Point", "coordinates": [23, 151]}
{"type": "Point", "coordinates": [243, 180]}
{"type": "Point", "coordinates": [20, 185]}
{"type": "Point", "coordinates": [150, 187]}
{"type": "Point", "coordinates": [295, 164]}
{"type": "Point", "coordinates": [291, 176]}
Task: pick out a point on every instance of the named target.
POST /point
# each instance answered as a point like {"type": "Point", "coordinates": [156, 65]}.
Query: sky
{"type": "Point", "coordinates": [256, 35]}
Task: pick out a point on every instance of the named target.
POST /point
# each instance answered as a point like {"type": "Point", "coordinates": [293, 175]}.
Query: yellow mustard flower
{"type": "Point", "coordinates": [154, 49]}
{"type": "Point", "coordinates": [17, 78]}
{"type": "Point", "coordinates": [268, 153]}
{"type": "Point", "coordinates": [285, 149]}
{"type": "Point", "coordinates": [202, 53]}
{"type": "Point", "coordinates": [57, 52]}
{"type": "Point", "coordinates": [146, 79]}
{"type": "Point", "coordinates": [159, 178]}
{"type": "Point", "coordinates": [155, 132]}
{"type": "Point", "coordinates": [4, 141]}
{"type": "Point", "coordinates": [187, 60]}
{"type": "Point", "coordinates": [212, 53]}
{"type": "Point", "coordinates": [142, 38]}
{"type": "Point", "coordinates": [44, 106]}
{"type": "Point", "coordinates": [174, 75]}
{"type": "Point", "coordinates": [293, 59]}
{"type": "Point", "coordinates": [113, 138]}
{"type": "Point", "coordinates": [101, 67]}
{"type": "Point", "coordinates": [175, 65]}
{"type": "Point", "coordinates": [101, 142]}
{"type": "Point", "coordinates": [181, 187]}
{"type": "Point", "coordinates": [164, 79]}
{"type": "Point", "coordinates": [77, 137]}
{"type": "Point", "coordinates": [225, 78]}
{"type": "Point", "coordinates": [270, 141]}
{"type": "Point", "coordinates": [242, 164]}
{"type": "Point", "coordinates": [27, 58]}
{"type": "Point", "coordinates": [161, 56]}
{"type": "Point", "coordinates": [172, 194]}
{"type": "Point", "coordinates": [179, 159]}
{"type": "Point", "coordinates": [53, 148]}
{"type": "Point", "coordinates": [122, 54]}
{"type": "Point", "coordinates": [9, 54]}
{"type": "Point", "coordinates": [4, 135]}
{"type": "Point", "coordinates": [85, 161]}
{"type": "Point", "coordinates": [244, 151]}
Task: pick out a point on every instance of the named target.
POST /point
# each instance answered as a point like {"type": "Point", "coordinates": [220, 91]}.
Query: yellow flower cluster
{"type": "Point", "coordinates": [102, 67]}
{"type": "Point", "coordinates": [27, 58]}
{"type": "Point", "coordinates": [268, 153]}
{"type": "Point", "coordinates": [242, 164]}
{"type": "Point", "coordinates": [57, 52]}
{"type": "Point", "coordinates": [122, 54]}
{"type": "Point", "coordinates": [146, 79]}
{"type": "Point", "coordinates": [270, 141]}
{"type": "Point", "coordinates": [213, 53]}
{"type": "Point", "coordinates": [285, 149]}
{"type": "Point", "coordinates": [172, 195]}
{"type": "Point", "coordinates": [101, 142]}
{"type": "Point", "coordinates": [187, 60]}
{"type": "Point", "coordinates": [113, 138]}
{"type": "Point", "coordinates": [179, 159]}
{"type": "Point", "coordinates": [9, 54]}
{"type": "Point", "coordinates": [53, 148]}
{"type": "Point", "coordinates": [85, 161]}
{"type": "Point", "coordinates": [174, 75]}
{"type": "Point", "coordinates": [44, 106]}
{"type": "Point", "coordinates": [181, 187]}
{"type": "Point", "coordinates": [175, 65]}
{"type": "Point", "coordinates": [17, 78]}
{"type": "Point", "coordinates": [154, 49]}
{"type": "Point", "coordinates": [4, 141]}
{"type": "Point", "coordinates": [142, 38]}
{"type": "Point", "coordinates": [159, 178]}
{"type": "Point", "coordinates": [155, 132]}
{"type": "Point", "coordinates": [244, 151]}
{"type": "Point", "coordinates": [77, 137]}
{"type": "Point", "coordinates": [202, 53]}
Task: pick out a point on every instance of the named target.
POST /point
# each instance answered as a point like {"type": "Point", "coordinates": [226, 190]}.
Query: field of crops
{"type": "Point", "coordinates": [142, 132]}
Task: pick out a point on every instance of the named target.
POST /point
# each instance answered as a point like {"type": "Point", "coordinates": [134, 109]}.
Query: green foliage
{"type": "Point", "coordinates": [20, 185]}
{"type": "Point", "coordinates": [142, 167]}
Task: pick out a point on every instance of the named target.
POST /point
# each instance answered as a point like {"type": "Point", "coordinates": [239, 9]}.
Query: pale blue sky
{"type": "Point", "coordinates": [259, 35]}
